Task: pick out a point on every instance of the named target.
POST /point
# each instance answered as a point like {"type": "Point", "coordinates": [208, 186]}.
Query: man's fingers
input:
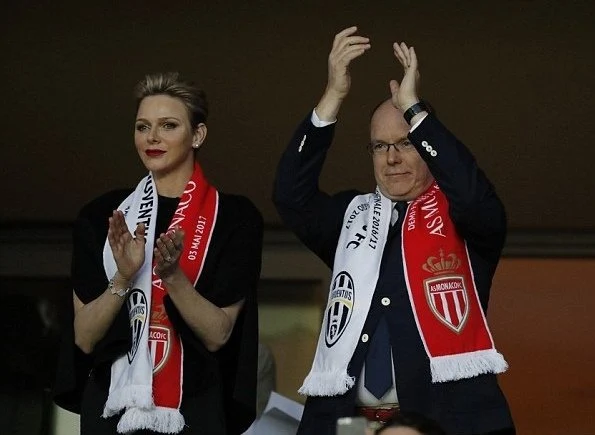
{"type": "Point", "coordinates": [405, 54]}
{"type": "Point", "coordinates": [343, 33]}
{"type": "Point", "coordinates": [413, 58]}
{"type": "Point", "coordinates": [355, 52]}
{"type": "Point", "coordinates": [400, 55]}
{"type": "Point", "coordinates": [405, 92]}
{"type": "Point", "coordinates": [351, 41]}
{"type": "Point", "coordinates": [405, 51]}
{"type": "Point", "coordinates": [341, 42]}
{"type": "Point", "coordinates": [349, 53]}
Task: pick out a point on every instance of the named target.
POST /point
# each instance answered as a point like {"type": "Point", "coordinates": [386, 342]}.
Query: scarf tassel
{"type": "Point", "coordinates": [467, 365]}
{"type": "Point", "coordinates": [159, 419]}
{"type": "Point", "coordinates": [327, 383]}
{"type": "Point", "coordinates": [132, 395]}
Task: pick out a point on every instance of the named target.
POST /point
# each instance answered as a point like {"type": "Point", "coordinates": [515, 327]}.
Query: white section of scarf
{"type": "Point", "coordinates": [131, 386]}
{"type": "Point", "coordinates": [355, 273]}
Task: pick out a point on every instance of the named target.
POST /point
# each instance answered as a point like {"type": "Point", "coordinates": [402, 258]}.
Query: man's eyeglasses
{"type": "Point", "coordinates": [381, 148]}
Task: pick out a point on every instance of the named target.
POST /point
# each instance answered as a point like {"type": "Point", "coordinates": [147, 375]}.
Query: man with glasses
{"type": "Point", "coordinates": [404, 328]}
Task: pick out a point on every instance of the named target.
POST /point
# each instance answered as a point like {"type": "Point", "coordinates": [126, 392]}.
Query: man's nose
{"type": "Point", "coordinates": [393, 155]}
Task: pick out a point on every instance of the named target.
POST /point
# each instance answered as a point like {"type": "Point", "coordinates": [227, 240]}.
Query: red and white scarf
{"type": "Point", "coordinates": [441, 288]}
{"type": "Point", "coordinates": [146, 383]}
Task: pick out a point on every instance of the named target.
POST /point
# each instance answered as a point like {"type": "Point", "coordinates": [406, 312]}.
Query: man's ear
{"type": "Point", "coordinates": [199, 136]}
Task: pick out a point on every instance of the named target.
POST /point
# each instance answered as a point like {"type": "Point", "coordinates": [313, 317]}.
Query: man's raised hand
{"type": "Point", "coordinates": [346, 47]}
{"type": "Point", "coordinates": [406, 94]}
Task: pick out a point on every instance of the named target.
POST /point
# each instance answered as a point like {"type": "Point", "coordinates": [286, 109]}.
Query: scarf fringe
{"type": "Point", "coordinates": [158, 419]}
{"type": "Point", "coordinates": [467, 365]}
{"type": "Point", "coordinates": [327, 383]}
{"type": "Point", "coordinates": [140, 396]}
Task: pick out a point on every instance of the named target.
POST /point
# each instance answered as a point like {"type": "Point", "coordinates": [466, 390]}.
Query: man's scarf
{"type": "Point", "coordinates": [146, 383]}
{"type": "Point", "coordinates": [440, 284]}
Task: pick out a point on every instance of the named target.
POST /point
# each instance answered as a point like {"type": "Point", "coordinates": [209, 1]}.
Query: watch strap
{"type": "Point", "coordinates": [414, 110]}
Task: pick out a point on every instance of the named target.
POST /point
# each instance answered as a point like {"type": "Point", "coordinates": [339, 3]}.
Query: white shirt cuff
{"type": "Point", "coordinates": [318, 122]}
{"type": "Point", "coordinates": [414, 126]}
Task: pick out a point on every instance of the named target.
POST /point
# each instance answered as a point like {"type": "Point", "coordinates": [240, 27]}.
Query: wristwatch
{"type": "Point", "coordinates": [414, 110]}
{"type": "Point", "coordinates": [121, 292]}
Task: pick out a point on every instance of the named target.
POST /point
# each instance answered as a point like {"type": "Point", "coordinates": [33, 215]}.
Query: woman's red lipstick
{"type": "Point", "coordinates": [154, 153]}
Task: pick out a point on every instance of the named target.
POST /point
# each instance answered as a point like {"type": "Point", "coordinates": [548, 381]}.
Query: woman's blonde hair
{"type": "Point", "coordinates": [173, 85]}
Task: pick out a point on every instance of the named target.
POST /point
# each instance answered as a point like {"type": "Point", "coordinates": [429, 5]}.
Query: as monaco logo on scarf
{"type": "Point", "coordinates": [159, 344]}
{"type": "Point", "coordinates": [340, 308]}
{"type": "Point", "coordinates": [446, 292]}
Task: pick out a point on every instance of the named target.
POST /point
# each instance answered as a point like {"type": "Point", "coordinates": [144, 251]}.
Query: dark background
{"type": "Point", "coordinates": [513, 79]}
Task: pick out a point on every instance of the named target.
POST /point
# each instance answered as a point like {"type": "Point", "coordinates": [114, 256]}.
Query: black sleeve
{"type": "Point", "coordinates": [314, 216]}
{"type": "Point", "coordinates": [239, 358]}
{"type": "Point", "coordinates": [239, 265]}
{"type": "Point", "coordinates": [88, 238]}
{"type": "Point", "coordinates": [89, 281]}
{"type": "Point", "coordinates": [475, 208]}
{"type": "Point", "coordinates": [72, 368]}
{"type": "Point", "coordinates": [88, 276]}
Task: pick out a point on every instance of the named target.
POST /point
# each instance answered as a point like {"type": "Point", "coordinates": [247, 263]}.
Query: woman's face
{"type": "Point", "coordinates": [163, 135]}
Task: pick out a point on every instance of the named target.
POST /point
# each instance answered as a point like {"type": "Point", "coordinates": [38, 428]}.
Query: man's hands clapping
{"type": "Point", "coordinates": [348, 46]}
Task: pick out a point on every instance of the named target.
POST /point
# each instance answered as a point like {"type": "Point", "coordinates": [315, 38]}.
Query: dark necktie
{"type": "Point", "coordinates": [398, 213]}
{"type": "Point", "coordinates": [378, 369]}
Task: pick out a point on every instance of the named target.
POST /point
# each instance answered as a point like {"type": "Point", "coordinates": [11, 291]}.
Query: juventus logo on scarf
{"type": "Point", "coordinates": [440, 284]}
{"type": "Point", "coordinates": [146, 383]}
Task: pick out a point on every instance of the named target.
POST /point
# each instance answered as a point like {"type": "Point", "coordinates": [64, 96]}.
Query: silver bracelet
{"type": "Point", "coordinates": [121, 292]}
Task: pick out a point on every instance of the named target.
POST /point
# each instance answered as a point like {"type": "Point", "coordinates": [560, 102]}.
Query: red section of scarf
{"type": "Point", "coordinates": [440, 280]}
{"type": "Point", "coordinates": [195, 215]}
